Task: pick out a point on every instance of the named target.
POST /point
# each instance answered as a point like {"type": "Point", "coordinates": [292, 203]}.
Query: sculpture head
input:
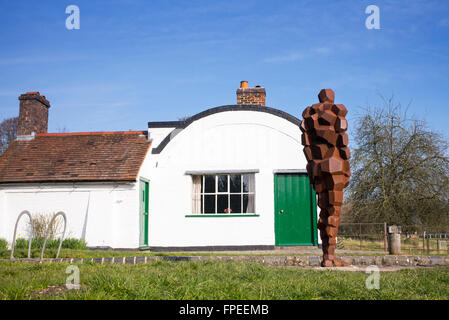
{"type": "Point", "coordinates": [326, 95]}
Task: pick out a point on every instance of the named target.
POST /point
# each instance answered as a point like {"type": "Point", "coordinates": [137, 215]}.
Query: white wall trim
{"type": "Point", "coordinates": [201, 172]}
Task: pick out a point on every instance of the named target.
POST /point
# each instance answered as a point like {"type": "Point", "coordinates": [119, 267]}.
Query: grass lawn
{"type": "Point", "coordinates": [86, 253]}
{"type": "Point", "coordinates": [215, 280]}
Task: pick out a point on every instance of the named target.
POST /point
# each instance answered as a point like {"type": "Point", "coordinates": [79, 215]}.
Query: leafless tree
{"type": "Point", "coordinates": [64, 129]}
{"type": "Point", "coordinates": [399, 170]}
{"type": "Point", "coordinates": [8, 132]}
{"type": "Point", "coordinates": [183, 118]}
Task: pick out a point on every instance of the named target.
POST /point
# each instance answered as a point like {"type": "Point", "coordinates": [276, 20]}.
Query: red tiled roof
{"type": "Point", "coordinates": [82, 156]}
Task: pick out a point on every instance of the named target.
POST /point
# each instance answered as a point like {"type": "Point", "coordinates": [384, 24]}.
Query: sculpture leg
{"type": "Point", "coordinates": [328, 226]}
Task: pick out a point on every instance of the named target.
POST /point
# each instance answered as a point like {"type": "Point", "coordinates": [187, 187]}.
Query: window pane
{"type": "Point", "coordinates": [248, 203]}
{"type": "Point", "coordinates": [236, 203]}
{"type": "Point", "coordinates": [248, 183]}
{"type": "Point", "coordinates": [209, 204]}
{"type": "Point", "coordinates": [222, 183]}
{"type": "Point", "coordinates": [236, 185]}
{"type": "Point", "coordinates": [209, 182]}
{"type": "Point", "coordinates": [222, 203]}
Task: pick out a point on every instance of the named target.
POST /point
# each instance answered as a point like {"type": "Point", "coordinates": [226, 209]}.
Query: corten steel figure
{"type": "Point", "coordinates": [326, 148]}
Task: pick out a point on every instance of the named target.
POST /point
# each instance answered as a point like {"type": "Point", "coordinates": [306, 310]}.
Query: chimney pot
{"type": "Point", "coordinates": [243, 84]}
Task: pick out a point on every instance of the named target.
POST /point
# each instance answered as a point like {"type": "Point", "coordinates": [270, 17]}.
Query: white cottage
{"type": "Point", "coordinates": [230, 177]}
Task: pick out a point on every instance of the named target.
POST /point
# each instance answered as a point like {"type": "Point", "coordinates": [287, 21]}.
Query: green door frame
{"type": "Point", "coordinates": [144, 193]}
{"type": "Point", "coordinates": [289, 201]}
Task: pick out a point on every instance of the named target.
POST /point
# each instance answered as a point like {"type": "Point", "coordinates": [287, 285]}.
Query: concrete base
{"type": "Point", "coordinates": [272, 260]}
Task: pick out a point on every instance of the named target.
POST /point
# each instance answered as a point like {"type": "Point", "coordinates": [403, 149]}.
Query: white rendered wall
{"type": "Point", "coordinates": [102, 214]}
{"type": "Point", "coordinates": [3, 216]}
{"type": "Point", "coordinates": [232, 140]}
{"type": "Point", "coordinates": [158, 134]}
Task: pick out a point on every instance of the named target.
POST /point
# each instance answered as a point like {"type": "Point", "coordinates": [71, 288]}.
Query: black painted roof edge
{"type": "Point", "coordinates": [185, 123]}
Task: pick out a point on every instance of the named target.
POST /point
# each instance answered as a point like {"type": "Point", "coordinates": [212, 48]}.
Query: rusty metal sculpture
{"type": "Point", "coordinates": [326, 149]}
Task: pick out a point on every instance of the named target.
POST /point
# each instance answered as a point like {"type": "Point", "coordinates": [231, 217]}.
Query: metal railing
{"type": "Point", "coordinates": [425, 239]}
{"type": "Point", "coordinates": [25, 212]}
{"type": "Point", "coordinates": [47, 235]}
{"type": "Point", "coordinates": [60, 213]}
{"type": "Point", "coordinates": [362, 236]}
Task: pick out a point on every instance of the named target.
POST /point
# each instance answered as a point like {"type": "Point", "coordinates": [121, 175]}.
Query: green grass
{"type": "Point", "coordinates": [69, 243]}
{"type": "Point", "coordinates": [72, 253]}
{"type": "Point", "coordinates": [3, 244]}
{"type": "Point", "coordinates": [354, 244]}
{"type": "Point", "coordinates": [217, 280]}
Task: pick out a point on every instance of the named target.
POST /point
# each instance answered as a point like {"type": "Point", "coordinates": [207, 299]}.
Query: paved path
{"type": "Point", "coordinates": [270, 260]}
{"type": "Point", "coordinates": [364, 268]}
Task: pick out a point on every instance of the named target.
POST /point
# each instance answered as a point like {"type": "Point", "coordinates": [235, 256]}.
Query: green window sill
{"type": "Point", "coordinates": [220, 215]}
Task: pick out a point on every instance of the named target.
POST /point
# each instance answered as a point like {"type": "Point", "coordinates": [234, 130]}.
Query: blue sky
{"type": "Point", "coordinates": [136, 61]}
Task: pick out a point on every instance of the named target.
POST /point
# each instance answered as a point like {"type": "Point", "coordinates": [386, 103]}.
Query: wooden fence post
{"type": "Point", "coordinates": [438, 243]}
{"type": "Point", "coordinates": [360, 234]}
{"type": "Point", "coordinates": [424, 240]}
{"type": "Point", "coordinates": [385, 236]}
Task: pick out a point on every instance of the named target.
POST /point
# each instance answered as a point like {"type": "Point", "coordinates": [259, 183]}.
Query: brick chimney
{"type": "Point", "coordinates": [33, 116]}
{"type": "Point", "coordinates": [250, 96]}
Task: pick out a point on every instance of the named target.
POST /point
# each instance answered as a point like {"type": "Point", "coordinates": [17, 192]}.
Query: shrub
{"type": "Point", "coordinates": [3, 244]}
{"type": "Point", "coordinates": [72, 243]}
{"type": "Point", "coordinates": [21, 243]}
{"type": "Point", "coordinates": [69, 243]}
{"type": "Point", "coordinates": [41, 221]}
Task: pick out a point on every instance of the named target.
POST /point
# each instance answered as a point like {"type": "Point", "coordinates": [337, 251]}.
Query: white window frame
{"type": "Point", "coordinates": [228, 192]}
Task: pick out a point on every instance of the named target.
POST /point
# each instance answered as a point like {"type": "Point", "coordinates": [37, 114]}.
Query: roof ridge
{"type": "Point", "coordinates": [87, 133]}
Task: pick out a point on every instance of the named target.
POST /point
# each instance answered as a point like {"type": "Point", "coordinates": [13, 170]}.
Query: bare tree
{"type": "Point", "coordinates": [64, 129]}
{"type": "Point", "coordinates": [400, 170]}
{"type": "Point", "coordinates": [8, 132]}
{"type": "Point", "coordinates": [183, 118]}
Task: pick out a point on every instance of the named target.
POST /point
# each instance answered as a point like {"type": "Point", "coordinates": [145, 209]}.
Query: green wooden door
{"type": "Point", "coordinates": [295, 210]}
{"type": "Point", "coordinates": [143, 213]}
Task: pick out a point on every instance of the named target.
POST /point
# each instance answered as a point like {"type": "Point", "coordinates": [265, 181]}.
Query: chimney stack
{"type": "Point", "coordinates": [33, 116]}
{"type": "Point", "coordinates": [250, 96]}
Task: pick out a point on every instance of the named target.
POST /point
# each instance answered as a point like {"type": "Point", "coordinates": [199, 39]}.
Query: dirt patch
{"type": "Point", "coordinates": [51, 291]}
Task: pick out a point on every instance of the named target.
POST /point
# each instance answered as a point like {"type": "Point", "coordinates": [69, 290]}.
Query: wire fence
{"type": "Point", "coordinates": [362, 236]}
{"type": "Point", "coordinates": [415, 239]}
{"type": "Point", "coordinates": [425, 239]}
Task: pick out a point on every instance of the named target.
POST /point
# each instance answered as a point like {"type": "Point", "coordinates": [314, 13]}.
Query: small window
{"type": "Point", "coordinates": [223, 194]}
